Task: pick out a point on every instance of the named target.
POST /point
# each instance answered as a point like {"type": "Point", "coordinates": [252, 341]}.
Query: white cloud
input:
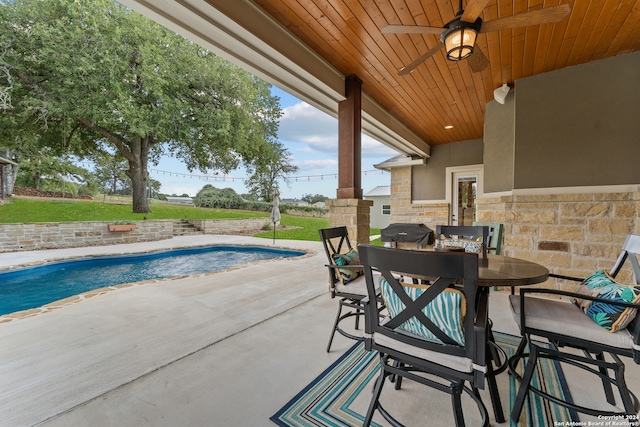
{"type": "Point", "coordinates": [307, 129]}
{"type": "Point", "coordinates": [310, 165]}
{"type": "Point", "coordinates": [372, 148]}
{"type": "Point", "coordinates": [311, 137]}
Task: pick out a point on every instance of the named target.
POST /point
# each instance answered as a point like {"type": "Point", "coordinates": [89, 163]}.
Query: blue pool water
{"type": "Point", "coordinates": [36, 286]}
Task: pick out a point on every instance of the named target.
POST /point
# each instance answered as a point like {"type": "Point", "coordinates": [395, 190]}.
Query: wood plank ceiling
{"type": "Point", "coordinates": [346, 33]}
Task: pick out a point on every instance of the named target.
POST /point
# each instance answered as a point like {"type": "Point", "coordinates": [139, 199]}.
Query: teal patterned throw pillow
{"type": "Point", "coordinates": [446, 311]}
{"type": "Point", "coordinates": [350, 258]}
{"type": "Point", "coordinates": [614, 318]}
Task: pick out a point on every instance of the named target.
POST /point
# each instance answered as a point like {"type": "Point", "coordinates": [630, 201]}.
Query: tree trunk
{"type": "Point", "coordinates": [138, 174]}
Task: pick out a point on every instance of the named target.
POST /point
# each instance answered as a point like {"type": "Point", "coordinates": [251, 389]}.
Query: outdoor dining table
{"type": "Point", "coordinates": [500, 271]}
{"type": "Point", "coordinates": [503, 271]}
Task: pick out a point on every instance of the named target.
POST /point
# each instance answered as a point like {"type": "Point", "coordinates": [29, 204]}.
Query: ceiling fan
{"type": "Point", "coordinates": [459, 35]}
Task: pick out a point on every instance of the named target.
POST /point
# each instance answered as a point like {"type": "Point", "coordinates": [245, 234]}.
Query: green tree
{"type": "Point", "coordinates": [44, 168]}
{"type": "Point", "coordinates": [110, 172]}
{"type": "Point", "coordinates": [274, 165]}
{"type": "Point", "coordinates": [94, 75]}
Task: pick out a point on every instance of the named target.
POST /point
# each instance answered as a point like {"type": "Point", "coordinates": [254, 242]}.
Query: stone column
{"type": "Point", "coordinates": [353, 214]}
{"type": "Point", "coordinates": [349, 209]}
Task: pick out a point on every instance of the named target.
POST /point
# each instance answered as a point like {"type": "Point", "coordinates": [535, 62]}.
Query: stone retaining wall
{"type": "Point", "coordinates": [230, 226]}
{"type": "Point", "coordinates": [35, 236]}
{"type": "Point", "coordinates": [47, 235]}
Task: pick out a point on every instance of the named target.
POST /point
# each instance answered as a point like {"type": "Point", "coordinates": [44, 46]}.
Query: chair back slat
{"type": "Point", "coordinates": [335, 240]}
{"type": "Point", "coordinates": [630, 250]}
{"type": "Point", "coordinates": [465, 232]}
{"type": "Point", "coordinates": [414, 308]}
{"type": "Point", "coordinates": [494, 242]}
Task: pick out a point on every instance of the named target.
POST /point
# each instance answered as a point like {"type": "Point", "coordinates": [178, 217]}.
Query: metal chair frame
{"type": "Point", "coordinates": [335, 241]}
{"type": "Point", "coordinates": [451, 269]}
{"type": "Point", "coordinates": [593, 360]}
{"type": "Point", "coordinates": [494, 241]}
{"type": "Point", "coordinates": [470, 232]}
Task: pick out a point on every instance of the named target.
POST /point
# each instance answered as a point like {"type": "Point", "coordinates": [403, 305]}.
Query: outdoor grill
{"type": "Point", "coordinates": [419, 234]}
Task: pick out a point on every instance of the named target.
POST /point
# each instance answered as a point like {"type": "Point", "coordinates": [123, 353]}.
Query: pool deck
{"type": "Point", "coordinates": [56, 363]}
{"type": "Point", "coordinates": [222, 349]}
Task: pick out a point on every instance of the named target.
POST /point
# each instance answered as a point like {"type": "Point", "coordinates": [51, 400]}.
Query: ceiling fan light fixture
{"type": "Point", "coordinates": [460, 38]}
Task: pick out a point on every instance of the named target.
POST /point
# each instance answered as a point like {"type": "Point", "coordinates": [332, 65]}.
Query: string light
{"type": "Point", "coordinates": [244, 179]}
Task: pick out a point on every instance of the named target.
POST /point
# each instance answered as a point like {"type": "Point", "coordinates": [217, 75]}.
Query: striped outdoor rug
{"type": "Point", "coordinates": [333, 398]}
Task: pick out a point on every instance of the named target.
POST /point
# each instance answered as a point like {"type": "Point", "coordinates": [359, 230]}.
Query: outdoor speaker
{"type": "Point", "coordinates": [501, 93]}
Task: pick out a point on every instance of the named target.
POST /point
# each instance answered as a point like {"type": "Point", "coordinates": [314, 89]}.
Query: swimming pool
{"type": "Point", "coordinates": [33, 287]}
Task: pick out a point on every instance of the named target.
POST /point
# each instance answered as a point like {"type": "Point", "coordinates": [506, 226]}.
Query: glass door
{"type": "Point", "coordinates": [463, 203]}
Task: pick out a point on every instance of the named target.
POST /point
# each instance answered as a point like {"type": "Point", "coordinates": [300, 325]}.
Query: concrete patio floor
{"type": "Point", "coordinates": [223, 349]}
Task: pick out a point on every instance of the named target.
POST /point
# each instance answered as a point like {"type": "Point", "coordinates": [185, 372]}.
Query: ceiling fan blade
{"type": "Point", "coordinates": [411, 29]}
{"type": "Point", "coordinates": [478, 61]}
{"type": "Point", "coordinates": [473, 10]}
{"type": "Point", "coordinates": [535, 17]}
{"type": "Point", "coordinates": [409, 68]}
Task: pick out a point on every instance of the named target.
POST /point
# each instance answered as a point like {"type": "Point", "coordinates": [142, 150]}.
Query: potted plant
{"type": "Point", "coordinates": [122, 226]}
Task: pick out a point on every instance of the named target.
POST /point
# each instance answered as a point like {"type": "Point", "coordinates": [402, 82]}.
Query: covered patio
{"type": "Point", "coordinates": [226, 349]}
{"type": "Point", "coordinates": [558, 160]}
{"type": "Point", "coordinates": [561, 140]}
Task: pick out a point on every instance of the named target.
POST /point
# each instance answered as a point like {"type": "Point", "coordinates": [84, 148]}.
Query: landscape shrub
{"type": "Point", "coordinates": [307, 210]}
{"type": "Point", "coordinates": [225, 198]}
{"type": "Point", "coordinates": [254, 205]}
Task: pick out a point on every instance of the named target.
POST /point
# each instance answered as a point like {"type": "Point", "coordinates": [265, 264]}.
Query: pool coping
{"type": "Point", "coordinates": [135, 248]}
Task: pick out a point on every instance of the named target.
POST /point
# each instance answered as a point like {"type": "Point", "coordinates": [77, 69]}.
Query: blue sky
{"type": "Point", "coordinates": [311, 136]}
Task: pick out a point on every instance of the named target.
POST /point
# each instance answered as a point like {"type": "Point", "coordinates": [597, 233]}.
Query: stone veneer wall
{"type": "Point", "coordinates": [403, 210]}
{"type": "Point", "coordinates": [571, 234]}
{"type": "Point", "coordinates": [353, 214]}
{"type": "Point", "coordinates": [47, 235]}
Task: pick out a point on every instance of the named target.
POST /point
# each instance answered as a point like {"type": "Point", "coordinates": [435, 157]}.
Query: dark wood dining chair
{"type": "Point", "coordinates": [425, 330]}
{"type": "Point", "coordinates": [594, 324]}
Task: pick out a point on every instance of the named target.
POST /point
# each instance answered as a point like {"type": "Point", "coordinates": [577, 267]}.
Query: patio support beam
{"type": "Point", "coordinates": [349, 209]}
{"type": "Point", "coordinates": [349, 140]}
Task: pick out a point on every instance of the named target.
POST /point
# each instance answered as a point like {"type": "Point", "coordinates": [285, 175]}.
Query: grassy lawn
{"type": "Point", "coordinates": [306, 228]}
{"type": "Point", "coordinates": [43, 210]}
{"type": "Point", "coordinates": [21, 210]}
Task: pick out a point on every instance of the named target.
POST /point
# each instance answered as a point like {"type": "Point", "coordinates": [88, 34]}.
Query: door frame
{"type": "Point", "coordinates": [471, 170]}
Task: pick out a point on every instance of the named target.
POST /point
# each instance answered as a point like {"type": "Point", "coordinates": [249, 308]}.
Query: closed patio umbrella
{"type": "Point", "coordinates": [275, 213]}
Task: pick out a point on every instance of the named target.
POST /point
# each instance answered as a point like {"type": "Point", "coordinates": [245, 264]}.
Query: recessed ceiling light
{"type": "Point", "coordinates": [448, 127]}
